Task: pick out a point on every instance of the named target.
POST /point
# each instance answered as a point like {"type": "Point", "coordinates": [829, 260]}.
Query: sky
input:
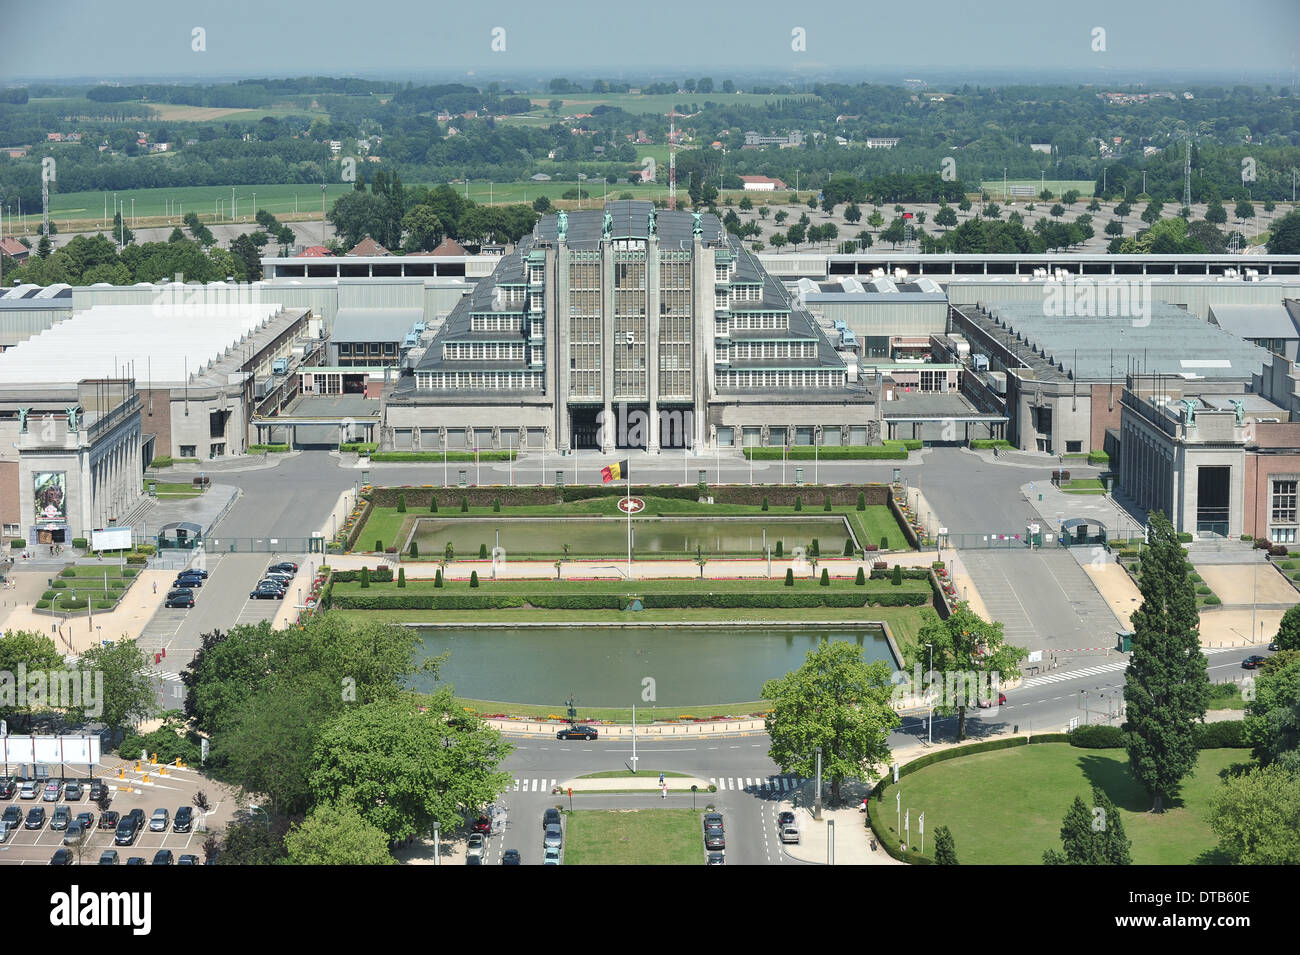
{"type": "Point", "coordinates": [1139, 40]}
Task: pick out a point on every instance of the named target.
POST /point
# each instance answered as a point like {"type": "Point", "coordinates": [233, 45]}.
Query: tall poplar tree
{"type": "Point", "coordinates": [1166, 685]}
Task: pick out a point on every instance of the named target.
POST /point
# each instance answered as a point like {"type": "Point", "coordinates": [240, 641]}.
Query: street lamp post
{"type": "Point", "coordinates": [929, 668]}
{"type": "Point", "coordinates": [437, 846]}
{"type": "Point", "coordinates": [817, 796]}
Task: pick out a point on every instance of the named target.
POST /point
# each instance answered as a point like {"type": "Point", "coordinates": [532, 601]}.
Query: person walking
{"type": "Point", "coordinates": [155, 586]}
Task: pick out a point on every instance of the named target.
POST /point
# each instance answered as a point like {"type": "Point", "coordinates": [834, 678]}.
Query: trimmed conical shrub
{"type": "Point", "coordinates": [789, 577]}
{"type": "Point", "coordinates": [415, 550]}
{"type": "Point", "coordinates": [433, 504]}
{"type": "Point", "coordinates": [482, 551]}
{"type": "Point", "coordinates": [780, 549]}
{"type": "Point", "coordinates": [862, 501]}
{"type": "Point", "coordinates": [827, 505]}
{"type": "Point", "coordinates": [861, 579]}
{"type": "Point", "coordinates": [896, 578]}
{"type": "Point", "coordinates": [765, 504]}
{"type": "Point", "coordinates": [365, 577]}
{"type": "Point", "coordinates": [473, 578]}
{"type": "Point", "coordinates": [826, 578]}
{"type": "Point", "coordinates": [798, 503]}
{"type": "Point", "coordinates": [496, 505]}
{"type": "Point", "coordinates": [401, 504]}
{"type": "Point", "coordinates": [464, 504]}
{"type": "Point", "coordinates": [848, 547]}
{"type": "Point", "coordinates": [401, 576]}
{"type": "Point", "coordinates": [437, 578]}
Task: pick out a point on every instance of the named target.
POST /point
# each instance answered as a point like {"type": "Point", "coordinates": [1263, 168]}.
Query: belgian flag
{"type": "Point", "coordinates": [614, 472]}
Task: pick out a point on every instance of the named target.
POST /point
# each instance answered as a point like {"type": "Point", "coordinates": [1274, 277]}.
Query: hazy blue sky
{"type": "Point", "coordinates": [152, 38]}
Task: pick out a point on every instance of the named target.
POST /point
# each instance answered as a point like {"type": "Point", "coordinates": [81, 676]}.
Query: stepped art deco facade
{"type": "Point", "coordinates": [628, 327]}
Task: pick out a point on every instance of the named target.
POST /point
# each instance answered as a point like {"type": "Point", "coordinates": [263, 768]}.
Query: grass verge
{"type": "Point", "coordinates": [634, 837]}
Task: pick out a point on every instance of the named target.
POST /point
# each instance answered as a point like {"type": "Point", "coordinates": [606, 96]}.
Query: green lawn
{"type": "Point", "coordinates": [904, 622]}
{"type": "Point", "coordinates": [625, 774]}
{"type": "Point", "coordinates": [1005, 807]}
{"type": "Point", "coordinates": [176, 491]}
{"type": "Point", "coordinates": [613, 714]}
{"type": "Point", "coordinates": [662, 585]}
{"type": "Point", "coordinates": [153, 203]}
{"type": "Point", "coordinates": [388, 525]}
{"type": "Point", "coordinates": [1084, 486]}
{"type": "Point", "coordinates": [96, 571]}
{"type": "Point", "coordinates": [635, 837]}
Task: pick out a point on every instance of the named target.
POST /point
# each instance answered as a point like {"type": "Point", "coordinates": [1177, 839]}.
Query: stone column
{"type": "Point", "coordinates": [609, 430]}
{"type": "Point", "coordinates": [652, 343]}
{"type": "Point", "coordinates": [557, 339]}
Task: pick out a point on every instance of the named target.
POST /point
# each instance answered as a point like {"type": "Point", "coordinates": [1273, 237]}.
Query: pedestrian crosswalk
{"type": "Point", "coordinates": [757, 784]}
{"type": "Point", "coordinates": [543, 784]}
{"type": "Point", "coordinates": [1075, 673]}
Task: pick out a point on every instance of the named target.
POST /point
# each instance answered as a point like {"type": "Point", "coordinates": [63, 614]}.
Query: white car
{"type": "Point", "coordinates": [474, 848]}
{"type": "Point", "coordinates": [790, 834]}
{"type": "Point", "coordinates": [552, 856]}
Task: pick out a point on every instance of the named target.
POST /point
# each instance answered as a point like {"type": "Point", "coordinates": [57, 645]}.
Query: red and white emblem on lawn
{"type": "Point", "coordinates": [631, 505]}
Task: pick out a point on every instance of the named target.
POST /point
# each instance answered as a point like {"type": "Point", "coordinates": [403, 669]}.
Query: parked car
{"type": "Point", "coordinates": [554, 836]}
{"type": "Point", "coordinates": [27, 790]}
{"type": "Point", "coordinates": [511, 857]}
{"type": "Point", "coordinates": [52, 789]}
{"type": "Point", "coordinates": [483, 824]}
{"type": "Point", "coordinates": [62, 816]}
{"type": "Point", "coordinates": [552, 856]}
{"type": "Point", "coordinates": [164, 857]}
{"type": "Point", "coordinates": [784, 819]}
{"type": "Point", "coordinates": [1274, 647]}
{"type": "Point", "coordinates": [985, 704]}
{"type": "Point", "coordinates": [790, 834]}
{"type": "Point", "coordinates": [187, 583]}
{"type": "Point", "coordinates": [577, 732]}
{"type": "Point", "coordinates": [108, 857]}
{"type": "Point", "coordinates": [74, 834]}
{"type": "Point", "coordinates": [194, 572]}
{"type": "Point", "coordinates": [13, 816]}
{"type": "Point", "coordinates": [476, 845]}
{"type": "Point", "coordinates": [188, 859]}
{"type": "Point", "coordinates": [714, 839]}
{"type": "Point", "coordinates": [712, 820]}
{"type": "Point", "coordinates": [61, 857]}
{"type": "Point", "coordinates": [159, 821]}
{"type": "Point", "coordinates": [109, 819]}
{"type": "Point", "coordinates": [1252, 662]}
{"type": "Point", "coordinates": [267, 592]}
{"type": "Point", "coordinates": [135, 860]}
{"type": "Point", "coordinates": [7, 788]}
{"type": "Point", "coordinates": [87, 820]}
{"type": "Point", "coordinates": [72, 791]}
{"type": "Point", "coordinates": [184, 819]}
{"type": "Point", "coordinates": [284, 567]}
{"type": "Point", "coordinates": [180, 598]}
{"type": "Point", "coordinates": [717, 858]}
{"type": "Point", "coordinates": [35, 818]}
{"type": "Point", "coordinates": [284, 580]}
{"type": "Point", "coordinates": [5, 831]}
{"type": "Point", "coordinates": [138, 816]}
{"type": "Point", "coordinates": [97, 789]}
{"type": "Point", "coordinates": [127, 830]}
{"type": "Point", "coordinates": [550, 818]}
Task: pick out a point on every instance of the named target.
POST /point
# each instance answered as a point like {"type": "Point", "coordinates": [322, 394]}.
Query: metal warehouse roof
{"type": "Point", "coordinates": [1164, 338]}
{"type": "Point", "coordinates": [168, 339]}
{"type": "Point", "coordinates": [1254, 321]}
{"type": "Point", "coordinates": [374, 324]}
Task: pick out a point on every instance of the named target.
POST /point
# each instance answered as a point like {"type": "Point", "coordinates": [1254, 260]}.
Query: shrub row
{"type": "Point", "coordinates": [1224, 735]}
{"type": "Point", "coordinates": [836, 453]}
{"type": "Point", "coordinates": [459, 457]}
{"type": "Point", "coordinates": [382, 574]}
{"type": "Point", "coordinates": [359, 447]}
{"type": "Point", "coordinates": [1097, 736]}
{"type": "Point", "coordinates": [419, 498]}
{"type": "Point", "coordinates": [267, 448]}
{"type": "Point", "coordinates": [407, 601]}
{"type": "Point", "coordinates": [980, 444]}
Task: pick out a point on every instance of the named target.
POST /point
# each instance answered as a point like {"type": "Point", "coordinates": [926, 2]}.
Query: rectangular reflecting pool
{"type": "Point", "coordinates": [605, 666]}
{"type": "Point", "coordinates": [608, 535]}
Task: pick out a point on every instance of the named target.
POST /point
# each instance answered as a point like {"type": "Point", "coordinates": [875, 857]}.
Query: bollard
{"type": "Point", "coordinates": [121, 773]}
{"type": "Point", "coordinates": [144, 778]}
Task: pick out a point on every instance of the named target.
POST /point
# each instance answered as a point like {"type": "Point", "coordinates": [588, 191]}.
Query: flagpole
{"type": "Point", "coordinates": [629, 517]}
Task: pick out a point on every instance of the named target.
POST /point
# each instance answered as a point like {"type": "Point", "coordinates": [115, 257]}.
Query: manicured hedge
{"type": "Point", "coordinates": [1050, 738]}
{"type": "Point", "coordinates": [1224, 735]}
{"type": "Point", "coordinates": [418, 498]}
{"type": "Point", "coordinates": [835, 453]}
{"type": "Point", "coordinates": [981, 444]}
{"type": "Point", "coordinates": [379, 575]}
{"type": "Point", "coordinates": [42, 605]}
{"type": "Point", "coordinates": [267, 448]}
{"type": "Point", "coordinates": [1097, 736]}
{"type": "Point", "coordinates": [410, 601]}
{"type": "Point", "coordinates": [459, 457]}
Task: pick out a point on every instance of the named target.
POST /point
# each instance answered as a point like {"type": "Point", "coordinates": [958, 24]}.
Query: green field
{"type": "Point", "coordinates": [635, 837]}
{"type": "Point", "coordinates": [658, 104]}
{"type": "Point", "coordinates": [175, 202]}
{"type": "Point", "coordinates": [1005, 807]}
{"type": "Point", "coordinates": [387, 524]}
{"type": "Point", "coordinates": [994, 187]}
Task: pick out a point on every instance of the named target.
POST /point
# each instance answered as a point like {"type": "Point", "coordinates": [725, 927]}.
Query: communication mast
{"type": "Point", "coordinates": [672, 160]}
{"type": "Point", "coordinates": [1187, 175]}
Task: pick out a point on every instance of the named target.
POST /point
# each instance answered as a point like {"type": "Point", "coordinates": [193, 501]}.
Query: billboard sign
{"type": "Point", "coordinates": [111, 538]}
{"type": "Point", "coordinates": [51, 495]}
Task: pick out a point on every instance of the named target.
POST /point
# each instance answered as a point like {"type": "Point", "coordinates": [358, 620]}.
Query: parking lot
{"type": "Point", "coordinates": [171, 791]}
